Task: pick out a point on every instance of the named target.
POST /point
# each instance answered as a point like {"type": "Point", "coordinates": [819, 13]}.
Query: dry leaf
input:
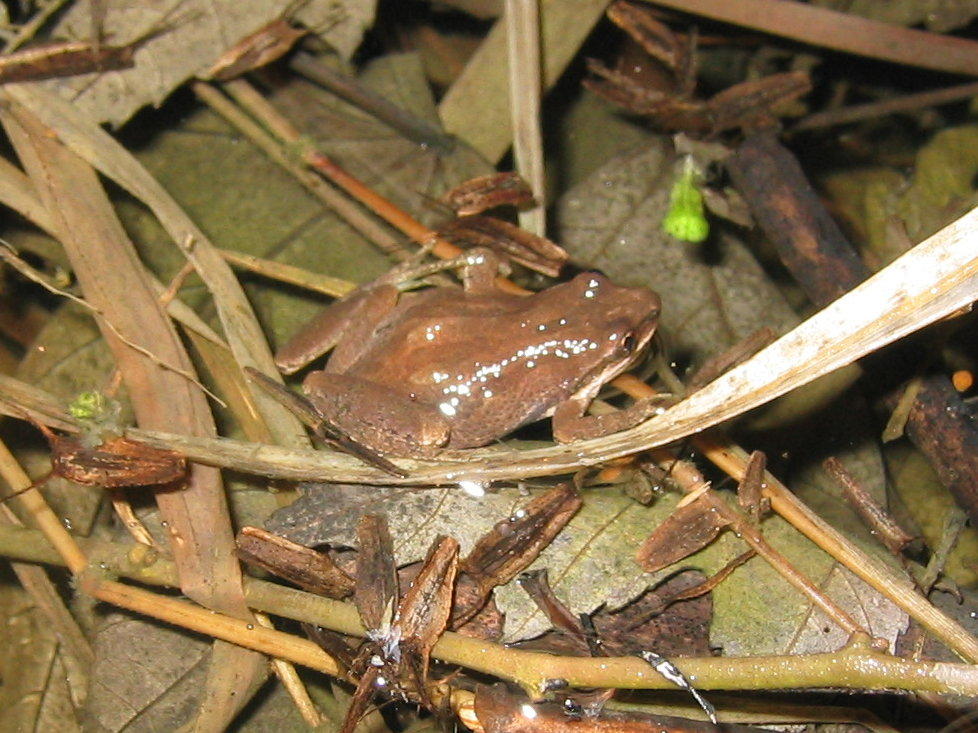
{"type": "Point", "coordinates": [689, 529]}
{"type": "Point", "coordinates": [189, 37]}
{"type": "Point", "coordinates": [35, 694]}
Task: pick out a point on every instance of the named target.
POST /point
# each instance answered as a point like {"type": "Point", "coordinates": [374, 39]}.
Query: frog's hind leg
{"type": "Point", "coordinates": [377, 416]}
{"type": "Point", "coordinates": [359, 311]}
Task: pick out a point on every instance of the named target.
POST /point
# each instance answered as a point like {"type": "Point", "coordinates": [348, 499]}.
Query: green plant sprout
{"type": "Point", "coordinates": [686, 218]}
{"type": "Point", "coordinates": [97, 415]}
{"type": "Point", "coordinates": [89, 405]}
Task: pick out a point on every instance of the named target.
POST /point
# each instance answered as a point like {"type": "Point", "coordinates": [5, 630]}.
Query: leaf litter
{"type": "Point", "coordinates": [610, 220]}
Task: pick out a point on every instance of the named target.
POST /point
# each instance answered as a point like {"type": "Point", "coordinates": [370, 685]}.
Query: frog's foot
{"type": "Point", "coordinates": [570, 423]}
{"type": "Point", "coordinates": [479, 266]}
{"type": "Point", "coordinates": [375, 416]}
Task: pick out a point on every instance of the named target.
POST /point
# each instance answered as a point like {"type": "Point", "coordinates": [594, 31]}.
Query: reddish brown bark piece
{"type": "Point", "coordinates": [673, 618]}
{"type": "Point", "coordinates": [673, 106]}
{"type": "Point", "coordinates": [309, 569]}
{"type": "Point", "coordinates": [813, 248]}
{"type": "Point", "coordinates": [63, 59]}
{"type": "Point", "coordinates": [487, 192]}
{"type": "Point", "coordinates": [399, 648]}
{"type": "Point", "coordinates": [262, 47]}
{"type": "Point", "coordinates": [114, 463]}
{"type": "Point", "coordinates": [423, 612]}
{"type": "Point", "coordinates": [875, 517]}
{"type": "Point", "coordinates": [536, 584]}
{"type": "Point", "coordinates": [751, 487]}
{"type": "Point", "coordinates": [657, 40]}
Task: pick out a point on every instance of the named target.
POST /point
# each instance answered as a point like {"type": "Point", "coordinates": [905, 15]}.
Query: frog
{"type": "Point", "coordinates": [413, 374]}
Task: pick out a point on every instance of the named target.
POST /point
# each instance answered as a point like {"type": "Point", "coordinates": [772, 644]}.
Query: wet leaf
{"type": "Point", "coordinates": [589, 557]}
{"type": "Point", "coordinates": [146, 675]}
{"type": "Point", "coordinates": [716, 294]}
{"type": "Point", "coordinates": [35, 692]}
{"type": "Point", "coordinates": [940, 189]}
{"type": "Point", "coordinates": [922, 498]}
{"type": "Point", "coordinates": [411, 175]}
{"type": "Point", "coordinates": [188, 36]}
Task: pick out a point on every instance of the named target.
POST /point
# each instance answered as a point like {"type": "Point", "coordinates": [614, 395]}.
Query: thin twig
{"type": "Point", "coordinates": [688, 477]}
{"type": "Point", "coordinates": [9, 255]}
{"type": "Point", "coordinates": [351, 214]}
{"type": "Point", "coordinates": [29, 29]}
{"type": "Point", "coordinates": [293, 684]}
{"type": "Point", "coordinates": [871, 110]}
{"type": "Point", "coordinates": [297, 276]}
{"type": "Point", "coordinates": [346, 87]}
{"type": "Point", "coordinates": [856, 667]}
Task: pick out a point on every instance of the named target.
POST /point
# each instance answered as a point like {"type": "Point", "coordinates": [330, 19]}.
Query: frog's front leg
{"type": "Point", "coordinates": [377, 416]}
{"type": "Point", "coordinates": [570, 422]}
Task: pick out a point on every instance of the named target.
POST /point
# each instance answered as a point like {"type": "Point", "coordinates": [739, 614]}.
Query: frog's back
{"type": "Point", "coordinates": [488, 364]}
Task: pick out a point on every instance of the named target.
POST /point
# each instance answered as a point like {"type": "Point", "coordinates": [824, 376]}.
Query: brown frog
{"type": "Point", "coordinates": [411, 374]}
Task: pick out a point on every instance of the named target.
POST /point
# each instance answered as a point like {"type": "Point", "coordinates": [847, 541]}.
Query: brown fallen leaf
{"type": "Point", "coordinates": [514, 543]}
{"type": "Point", "coordinates": [688, 529]}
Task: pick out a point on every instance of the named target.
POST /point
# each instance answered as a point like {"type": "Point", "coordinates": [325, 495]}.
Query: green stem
{"type": "Point", "coordinates": [857, 666]}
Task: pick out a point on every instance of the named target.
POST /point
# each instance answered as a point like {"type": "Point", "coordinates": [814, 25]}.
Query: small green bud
{"type": "Point", "coordinates": [87, 406]}
{"type": "Point", "coordinates": [686, 218]}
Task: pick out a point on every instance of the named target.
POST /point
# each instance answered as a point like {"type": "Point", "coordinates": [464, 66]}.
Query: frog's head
{"type": "Point", "coordinates": [602, 328]}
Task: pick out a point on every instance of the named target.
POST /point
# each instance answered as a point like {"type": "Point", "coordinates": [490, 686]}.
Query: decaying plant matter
{"type": "Point", "coordinates": [472, 586]}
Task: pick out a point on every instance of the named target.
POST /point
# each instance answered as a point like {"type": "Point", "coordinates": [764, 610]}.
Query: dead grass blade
{"type": "Point", "coordinates": [115, 283]}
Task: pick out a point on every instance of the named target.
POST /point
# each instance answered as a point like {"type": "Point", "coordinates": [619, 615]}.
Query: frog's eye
{"type": "Point", "coordinates": [628, 343]}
